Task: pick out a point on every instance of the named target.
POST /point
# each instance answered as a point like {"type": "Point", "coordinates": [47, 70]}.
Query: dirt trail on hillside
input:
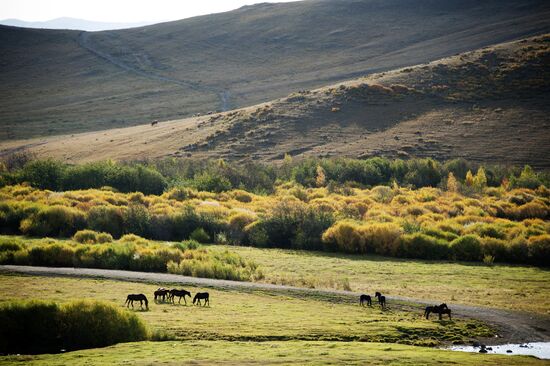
{"type": "Point", "coordinates": [85, 42]}
{"type": "Point", "coordinates": [512, 326]}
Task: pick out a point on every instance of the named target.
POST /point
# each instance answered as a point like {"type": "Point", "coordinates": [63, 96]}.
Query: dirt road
{"type": "Point", "coordinates": [512, 327]}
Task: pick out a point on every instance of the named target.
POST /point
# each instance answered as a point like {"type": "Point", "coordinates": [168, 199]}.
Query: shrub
{"type": "Point", "coordinates": [199, 235]}
{"type": "Point", "coordinates": [107, 219]}
{"type": "Point", "coordinates": [539, 249]}
{"type": "Point", "coordinates": [137, 220]}
{"type": "Point", "coordinates": [496, 248]}
{"type": "Point", "coordinates": [85, 237]}
{"type": "Point", "coordinates": [54, 221]}
{"type": "Point", "coordinates": [467, 248]}
{"type": "Point", "coordinates": [104, 238]}
{"type": "Point", "coordinates": [187, 245]}
{"type": "Point", "coordinates": [46, 327]}
{"type": "Point", "coordinates": [348, 236]}
{"type": "Point", "coordinates": [422, 246]}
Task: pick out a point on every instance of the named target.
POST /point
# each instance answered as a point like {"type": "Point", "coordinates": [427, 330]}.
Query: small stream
{"type": "Point", "coordinates": [537, 349]}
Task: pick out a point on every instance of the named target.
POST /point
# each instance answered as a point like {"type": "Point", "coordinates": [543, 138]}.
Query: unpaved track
{"type": "Point", "coordinates": [512, 326]}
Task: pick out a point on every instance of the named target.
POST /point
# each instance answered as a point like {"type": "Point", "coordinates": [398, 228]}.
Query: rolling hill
{"type": "Point", "coordinates": [54, 82]}
{"type": "Point", "coordinates": [489, 105]}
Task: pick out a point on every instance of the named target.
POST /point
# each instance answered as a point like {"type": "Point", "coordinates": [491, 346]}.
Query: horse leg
{"type": "Point", "coordinates": [185, 301]}
{"type": "Point", "coordinates": [440, 316]}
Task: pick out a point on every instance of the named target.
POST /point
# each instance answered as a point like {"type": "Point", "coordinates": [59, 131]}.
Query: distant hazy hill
{"type": "Point", "coordinates": [488, 105]}
{"type": "Point", "coordinates": [54, 81]}
{"type": "Point", "coordinates": [72, 23]}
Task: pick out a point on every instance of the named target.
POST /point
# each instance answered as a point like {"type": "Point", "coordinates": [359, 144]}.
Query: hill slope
{"type": "Point", "coordinates": [54, 82]}
{"type": "Point", "coordinates": [490, 105]}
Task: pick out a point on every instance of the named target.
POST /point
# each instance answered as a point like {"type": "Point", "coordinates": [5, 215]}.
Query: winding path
{"type": "Point", "coordinates": [84, 41]}
{"type": "Point", "coordinates": [512, 326]}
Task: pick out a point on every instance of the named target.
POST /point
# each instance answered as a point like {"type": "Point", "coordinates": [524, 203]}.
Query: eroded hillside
{"type": "Point", "coordinates": [56, 82]}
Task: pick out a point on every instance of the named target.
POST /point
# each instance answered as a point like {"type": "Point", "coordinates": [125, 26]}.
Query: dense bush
{"type": "Point", "coordinates": [53, 221]}
{"type": "Point", "coordinates": [467, 248]}
{"type": "Point", "coordinates": [131, 252]}
{"type": "Point", "coordinates": [46, 327]}
{"type": "Point", "coordinates": [352, 237]}
{"type": "Point", "coordinates": [419, 245]}
{"type": "Point", "coordinates": [153, 177]}
{"type": "Point", "coordinates": [330, 210]}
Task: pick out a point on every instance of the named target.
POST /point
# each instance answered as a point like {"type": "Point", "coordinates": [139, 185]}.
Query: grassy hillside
{"type": "Point", "coordinates": [488, 105]}
{"type": "Point", "coordinates": [53, 82]}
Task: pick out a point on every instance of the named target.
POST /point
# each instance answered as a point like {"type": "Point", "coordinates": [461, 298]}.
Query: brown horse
{"type": "Point", "coordinates": [161, 293]}
{"type": "Point", "coordinates": [202, 296]}
{"type": "Point", "coordinates": [136, 297]}
{"type": "Point", "coordinates": [437, 309]}
{"type": "Point", "coordinates": [179, 293]}
{"type": "Point", "coordinates": [381, 299]}
{"type": "Point", "coordinates": [365, 298]}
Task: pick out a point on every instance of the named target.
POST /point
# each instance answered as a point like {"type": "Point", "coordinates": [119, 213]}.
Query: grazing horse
{"type": "Point", "coordinates": [155, 122]}
{"type": "Point", "coordinates": [161, 293]}
{"type": "Point", "coordinates": [137, 297]}
{"type": "Point", "coordinates": [381, 299]}
{"type": "Point", "coordinates": [365, 298]}
{"type": "Point", "coordinates": [438, 309]}
{"type": "Point", "coordinates": [202, 296]}
{"type": "Point", "coordinates": [180, 294]}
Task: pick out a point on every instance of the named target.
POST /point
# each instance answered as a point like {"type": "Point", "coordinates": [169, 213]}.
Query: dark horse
{"type": "Point", "coordinates": [137, 297]}
{"type": "Point", "coordinates": [365, 298]}
{"type": "Point", "coordinates": [161, 294]}
{"type": "Point", "coordinates": [381, 299]}
{"type": "Point", "coordinates": [202, 296]}
{"type": "Point", "coordinates": [438, 309]}
{"type": "Point", "coordinates": [180, 294]}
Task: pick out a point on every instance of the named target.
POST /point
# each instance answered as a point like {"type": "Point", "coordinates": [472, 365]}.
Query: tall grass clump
{"type": "Point", "coordinates": [45, 327]}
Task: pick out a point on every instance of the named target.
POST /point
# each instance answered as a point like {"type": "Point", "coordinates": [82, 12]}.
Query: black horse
{"type": "Point", "coordinates": [202, 296]}
{"type": "Point", "coordinates": [136, 297]}
{"type": "Point", "coordinates": [365, 298]}
{"type": "Point", "coordinates": [179, 293]}
{"type": "Point", "coordinates": [161, 294]}
{"type": "Point", "coordinates": [381, 299]}
{"type": "Point", "coordinates": [437, 309]}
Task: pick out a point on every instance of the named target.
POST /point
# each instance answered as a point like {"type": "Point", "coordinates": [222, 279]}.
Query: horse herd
{"type": "Point", "coordinates": [436, 309]}
{"type": "Point", "coordinates": [165, 295]}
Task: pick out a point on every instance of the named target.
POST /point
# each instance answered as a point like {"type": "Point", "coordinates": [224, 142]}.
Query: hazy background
{"type": "Point", "coordinates": [107, 14]}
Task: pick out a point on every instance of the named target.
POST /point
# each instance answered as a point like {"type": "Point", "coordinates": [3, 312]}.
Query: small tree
{"type": "Point", "coordinates": [320, 180]}
{"type": "Point", "coordinates": [452, 183]}
{"type": "Point", "coordinates": [480, 179]}
{"type": "Point", "coordinates": [469, 181]}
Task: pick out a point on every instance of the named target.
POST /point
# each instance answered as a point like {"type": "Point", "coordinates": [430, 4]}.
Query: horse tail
{"type": "Point", "coordinates": [146, 302]}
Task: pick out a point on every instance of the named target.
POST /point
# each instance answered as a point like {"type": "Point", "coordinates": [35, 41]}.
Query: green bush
{"type": "Point", "coordinates": [495, 248]}
{"type": "Point", "coordinates": [107, 219]}
{"type": "Point", "coordinates": [54, 221]}
{"type": "Point", "coordinates": [85, 237]}
{"type": "Point", "coordinates": [539, 249]}
{"type": "Point", "coordinates": [46, 327]}
{"type": "Point", "coordinates": [467, 248]}
{"type": "Point", "coordinates": [422, 246]}
{"type": "Point", "coordinates": [199, 235]}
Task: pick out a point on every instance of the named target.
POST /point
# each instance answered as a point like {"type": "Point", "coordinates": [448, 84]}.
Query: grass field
{"type": "Point", "coordinates": [262, 353]}
{"type": "Point", "coordinates": [258, 327]}
{"type": "Point", "coordinates": [256, 315]}
{"type": "Point", "coordinates": [498, 286]}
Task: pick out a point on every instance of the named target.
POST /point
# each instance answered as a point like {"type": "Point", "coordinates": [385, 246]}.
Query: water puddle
{"type": "Point", "coordinates": [537, 349]}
